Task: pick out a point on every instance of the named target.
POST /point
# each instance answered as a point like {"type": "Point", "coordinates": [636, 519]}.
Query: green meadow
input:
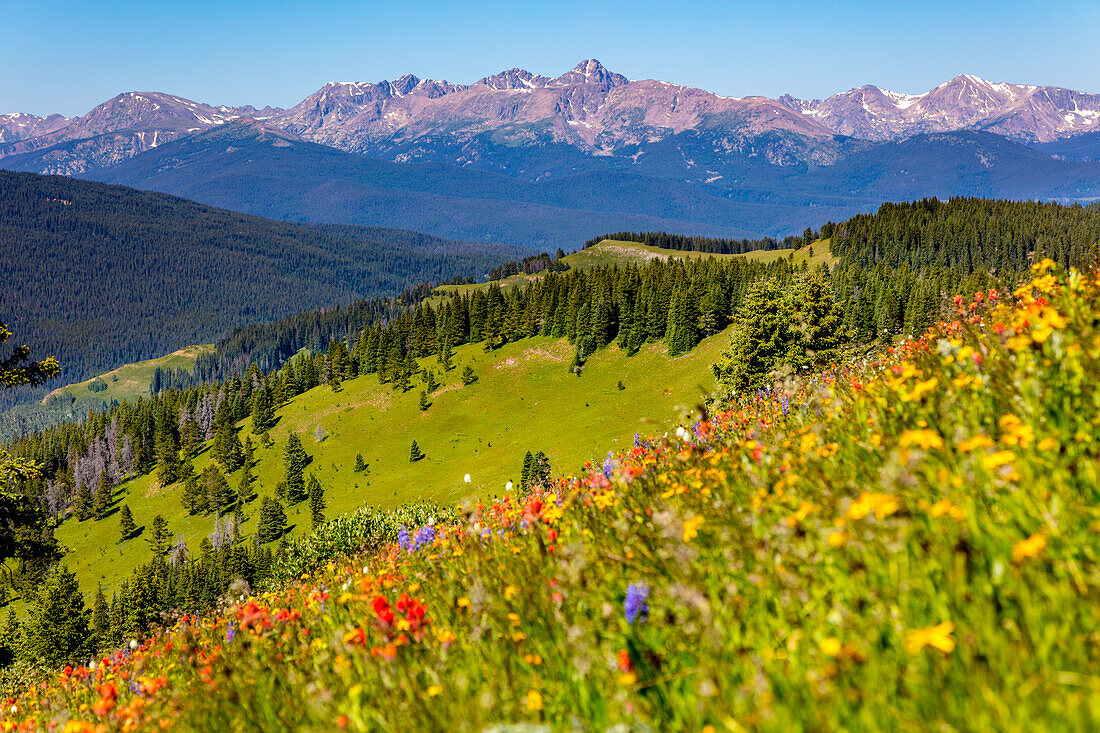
{"type": "Point", "coordinates": [524, 399]}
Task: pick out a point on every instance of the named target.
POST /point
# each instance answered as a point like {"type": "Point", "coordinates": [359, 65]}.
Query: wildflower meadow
{"type": "Point", "coordinates": [910, 541]}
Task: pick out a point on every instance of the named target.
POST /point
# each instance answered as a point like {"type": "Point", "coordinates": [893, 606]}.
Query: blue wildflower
{"type": "Point", "coordinates": [231, 633]}
{"type": "Point", "coordinates": [786, 405]}
{"type": "Point", "coordinates": [635, 606]}
{"type": "Point", "coordinates": [403, 538]}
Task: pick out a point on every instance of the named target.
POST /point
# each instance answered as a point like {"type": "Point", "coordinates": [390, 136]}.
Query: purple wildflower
{"type": "Point", "coordinates": [231, 633]}
{"type": "Point", "coordinates": [635, 606]}
{"type": "Point", "coordinates": [786, 405]}
{"type": "Point", "coordinates": [403, 538]}
{"type": "Point", "coordinates": [609, 465]}
{"type": "Point", "coordinates": [425, 536]}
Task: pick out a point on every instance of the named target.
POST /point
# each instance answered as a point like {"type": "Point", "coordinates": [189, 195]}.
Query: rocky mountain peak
{"type": "Point", "coordinates": [589, 71]}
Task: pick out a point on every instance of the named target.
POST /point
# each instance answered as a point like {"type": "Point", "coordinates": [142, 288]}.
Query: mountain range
{"type": "Point", "coordinates": [536, 160]}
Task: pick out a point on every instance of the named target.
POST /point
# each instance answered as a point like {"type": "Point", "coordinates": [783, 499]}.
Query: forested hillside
{"type": "Point", "coordinates": [105, 275]}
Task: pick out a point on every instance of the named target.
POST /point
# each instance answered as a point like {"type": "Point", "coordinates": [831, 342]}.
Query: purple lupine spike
{"type": "Point", "coordinates": [635, 605]}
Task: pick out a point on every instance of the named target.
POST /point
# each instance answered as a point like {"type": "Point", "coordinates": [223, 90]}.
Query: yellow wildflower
{"type": "Point", "coordinates": [1031, 547]}
{"type": "Point", "coordinates": [998, 459]}
{"type": "Point", "coordinates": [510, 592]}
{"type": "Point", "coordinates": [830, 647]}
{"type": "Point", "coordinates": [938, 637]}
{"type": "Point", "coordinates": [836, 539]}
{"type": "Point", "coordinates": [435, 690]}
{"type": "Point", "coordinates": [926, 439]}
{"type": "Point", "coordinates": [971, 444]}
{"type": "Point", "coordinates": [942, 507]}
{"type": "Point", "coordinates": [803, 511]}
{"type": "Point", "coordinates": [691, 528]}
{"type": "Point", "coordinates": [534, 701]}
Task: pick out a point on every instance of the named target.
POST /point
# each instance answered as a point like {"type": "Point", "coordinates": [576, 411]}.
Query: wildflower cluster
{"type": "Point", "coordinates": [914, 538]}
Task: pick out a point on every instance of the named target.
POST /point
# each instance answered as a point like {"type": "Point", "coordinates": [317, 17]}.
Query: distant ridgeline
{"type": "Point", "coordinates": [664, 240]}
{"type": "Point", "coordinates": [105, 275]}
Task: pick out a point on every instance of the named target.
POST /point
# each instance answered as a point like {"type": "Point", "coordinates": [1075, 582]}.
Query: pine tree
{"type": "Point", "coordinates": [360, 464]}
{"type": "Point", "coordinates": [158, 536]}
{"type": "Point", "coordinates": [316, 501]}
{"type": "Point", "coordinates": [126, 527]}
{"type": "Point", "coordinates": [272, 523]}
{"type": "Point", "coordinates": [423, 403]}
{"type": "Point", "coordinates": [468, 376]}
{"type": "Point", "coordinates": [168, 454]}
{"type": "Point", "coordinates": [294, 464]}
{"type": "Point", "coordinates": [57, 630]}
{"type": "Point", "coordinates": [414, 453]}
{"type": "Point", "coordinates": [244, 486]}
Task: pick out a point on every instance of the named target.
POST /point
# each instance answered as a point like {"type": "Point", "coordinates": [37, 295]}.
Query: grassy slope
{"type": "Point", "coordinates": [524, 400]}
{"type": "Point", "coordinates": [615, 252]}
{"type": "Point", "coordinates": [131, 381]}
{"type": "Point", "coordinates": [73, 401]}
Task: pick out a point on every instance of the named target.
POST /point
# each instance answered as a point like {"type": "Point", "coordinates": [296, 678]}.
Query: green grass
{"type": "Point", "coordinates": [525, 399]}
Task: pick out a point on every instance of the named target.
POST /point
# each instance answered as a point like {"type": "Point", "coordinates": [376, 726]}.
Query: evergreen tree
{"type": "Point", "coordinates": [101, 620]}
{"type": "Point", "coordinates": [468, 376]}
{"type": "Point", "coordinates": [83, 505]}
{"type": "Point", "coordinates": [57, 628]}
{"type": "Point", "coordinates": [525, 473]}
{"type": "Point", "coordinates": [360, 464]}
{"type": "Point", "coordinates": [294, 464]}
{"type": "Point", "coordinates": [104, 497]}
{"type": "Point", "coordinates": [263, 410]}
{"type": "Point", "coordinates": [316, 501]}
{"type": "Point", "coordinates": [244, 486]}
{"type": "Point", "coordinates": [272, 523]}
{"type": "Point", "coordinates": [423, 403]}
{"type": "Point", "coordinates": [126, 527]}
{"type": "Point", "coordinates": [158, 536]}
{"type": "Point", "coordinates": [168, 454]}
{"type": "Point", "coordinates": [414, 453]}
{"type": "Point", "coordinates": [226, 448]}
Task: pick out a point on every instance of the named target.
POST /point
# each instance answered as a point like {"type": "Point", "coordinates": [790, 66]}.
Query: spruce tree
{"type": "Point", "coordinates": [158, 536]}
{"type": "Point", "coordinates": [104, 497]}
{"type": "Point", "coordinates": [414, 453]}
{"type": "Point", "coordinates": [316, 501]}
{"type": "Point", "coordinates": [57, 629]}
{"type": "Point", "coordinates": [263, 410]}
{"type": "Point", "coordinates": [525, 473]}
{"type": "Point", "coordinates": [423, 403]}
{"type": "Point", "coordinates": [84, 504]}
{"type": "Point", "coordinates": [101, 620]}
{"type": "Point", "coordinates": [226, 448]}
{"type": "Point", "coordinates": [360, 464]}
{"type": "Point", "coordinates": [294, 464]}
{"type": "Point", "coordinates": [272, 523]}
{"type": "Point", "coordinates": [468, 376]}
{"type": "Point", "coordinates": [126, 527]}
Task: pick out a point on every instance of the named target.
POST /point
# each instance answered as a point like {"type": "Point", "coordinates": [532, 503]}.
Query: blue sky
{"type": "Point", "coordinates": [69, 56]}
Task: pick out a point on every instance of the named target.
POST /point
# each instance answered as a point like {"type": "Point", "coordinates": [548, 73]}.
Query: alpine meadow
{"type": "Point", "coordinates": [536, 403]}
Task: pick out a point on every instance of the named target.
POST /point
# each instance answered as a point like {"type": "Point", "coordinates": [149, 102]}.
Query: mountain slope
{"type": "Point", "coordinates": [103, 275]}
{"type": "Point", "coordinates": [250, 167]}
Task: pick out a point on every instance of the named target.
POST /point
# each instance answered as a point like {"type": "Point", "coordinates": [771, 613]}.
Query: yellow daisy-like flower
{"type": "Point", "coordinates": [534, 701]}
{"type": "Point", "coordinates": [937, 637]}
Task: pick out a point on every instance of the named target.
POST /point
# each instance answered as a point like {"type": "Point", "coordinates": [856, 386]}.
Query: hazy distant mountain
{"type": "Point", "coordinates": [576, 151]}
{"type": "Point", "coordinates": [1021, 112]}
